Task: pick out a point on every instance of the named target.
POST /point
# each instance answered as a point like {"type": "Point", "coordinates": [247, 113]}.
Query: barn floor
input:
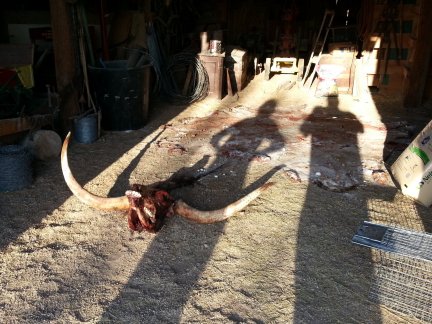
{"type": "Point", "coordinates": [287, 257]}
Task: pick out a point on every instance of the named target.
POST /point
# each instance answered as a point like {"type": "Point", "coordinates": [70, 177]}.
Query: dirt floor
{"type": "Point", "coordinates": [286, 258]}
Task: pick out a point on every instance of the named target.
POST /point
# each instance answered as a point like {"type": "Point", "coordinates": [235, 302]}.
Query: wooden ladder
{"type": "Point", "coordinates": [318, 47]}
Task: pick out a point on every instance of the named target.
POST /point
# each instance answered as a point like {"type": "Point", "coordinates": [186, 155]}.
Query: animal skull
{"type": "Point", "coordinates": [147, 206]}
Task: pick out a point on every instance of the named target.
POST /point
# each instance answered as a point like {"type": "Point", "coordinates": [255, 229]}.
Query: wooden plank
{"type": "Point", "coordinates": [228, 79]}
{"type": "Point", "coordinates": [417, 73]}
{"type": "Point", "coordinates": [16, 125]}
{"type": "Point", "coordinates": [65, 63]}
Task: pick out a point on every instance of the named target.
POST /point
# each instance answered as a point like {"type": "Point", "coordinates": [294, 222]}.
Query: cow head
{"type": "Point", "coordinates": [147, 206]}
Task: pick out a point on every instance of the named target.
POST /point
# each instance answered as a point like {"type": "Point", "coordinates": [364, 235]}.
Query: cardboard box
{"type": "Point", "coordinates": [413, 168]}
{"type": "Point", "coordinates": [345, 80]}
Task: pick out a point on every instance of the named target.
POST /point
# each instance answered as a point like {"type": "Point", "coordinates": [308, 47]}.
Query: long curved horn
{"type": "Point", "coordinates": [118, 203]}
{"type": "Point", "coordinates": [206, 217]}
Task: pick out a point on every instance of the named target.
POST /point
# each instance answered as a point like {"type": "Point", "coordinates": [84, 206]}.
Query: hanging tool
{"type": "Point", "coordinates": [318, 46]}
{"type": "Point", "coordinates": [82, 16]}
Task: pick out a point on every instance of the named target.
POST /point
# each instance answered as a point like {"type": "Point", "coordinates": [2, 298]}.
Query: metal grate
{"type": "Point", "coordinates": [403, 284]}
{"type": "Point", "coordinates": [396, 240]}
{"type": "Point", "coordinates": [414, 244]}
{"type": "Point", "coordinates": [403, 271]}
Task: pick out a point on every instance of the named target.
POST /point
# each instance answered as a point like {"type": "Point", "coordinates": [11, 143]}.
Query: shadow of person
{"type": "Point", "coordinates": [329, 271]}
{"type": "Point", "coordinates": [177, 256]}
{"type": "Point", "coordinates": [252, 139]}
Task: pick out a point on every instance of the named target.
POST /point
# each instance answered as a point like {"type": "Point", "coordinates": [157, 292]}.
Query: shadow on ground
{"type": "Point", "coordinates": [43, 197]}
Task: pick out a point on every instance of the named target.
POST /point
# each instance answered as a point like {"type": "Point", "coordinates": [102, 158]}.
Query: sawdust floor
{"type": "Point", "coordinates": [287, 257]}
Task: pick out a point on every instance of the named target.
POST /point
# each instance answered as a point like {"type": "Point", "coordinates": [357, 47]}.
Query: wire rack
{"type": "Point", "coordinates": [396, 240]}
{"type": "Point", "coordinates": [402, 279]}
{"type": "Point", "coordinates": [413, 244]}
{"type": "Point", "coordinates": [403, 284]}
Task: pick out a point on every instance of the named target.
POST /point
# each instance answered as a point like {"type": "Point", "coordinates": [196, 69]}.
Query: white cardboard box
{"type": "Point", "coordinates": [413, 168]}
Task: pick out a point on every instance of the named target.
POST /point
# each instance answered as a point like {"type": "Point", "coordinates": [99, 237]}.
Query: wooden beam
{"type": "Point", "coordinates": [65, 63]}
{"type": "Point", "coordinates": [11, 126]}
{"type": "Point", "coordinates": [419, 68]}
{"type": "Point", "coordinates": [104, 32]}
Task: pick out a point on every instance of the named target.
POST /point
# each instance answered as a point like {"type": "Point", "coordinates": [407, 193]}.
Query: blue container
{"type": "Point", "coordinates": [86, 129]}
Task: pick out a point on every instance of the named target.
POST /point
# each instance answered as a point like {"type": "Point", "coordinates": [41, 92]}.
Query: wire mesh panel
{"type": "Point", "coordinates": [402, 278]}
{"type": "Point", "coordinates": [403, 284]}
{"type": "Point", "coordinates": [396, 240]}
{"type": "Point", "coordinates": [400, 211]}
{"type": "Point", "coordinates": [16, 171]}
{"type": "Point", "coordinates": [414, 244]}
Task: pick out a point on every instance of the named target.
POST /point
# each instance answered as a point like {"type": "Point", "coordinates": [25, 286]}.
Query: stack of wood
{"type": "Point", "coordinates": [388, 51]}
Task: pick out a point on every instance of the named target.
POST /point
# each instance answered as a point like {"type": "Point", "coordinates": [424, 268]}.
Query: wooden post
{"type": "Point", "coordinates": [419, 69]}
{"type": "Point", "coordinates": [65, 63]}
{"type": "Point", "coordinates": [104, 35]}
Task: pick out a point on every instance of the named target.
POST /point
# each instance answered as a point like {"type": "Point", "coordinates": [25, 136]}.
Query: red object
{"type": "Point", "coordinates": [40, 34]}
{"type": "Point", "coordinates": [8, 77]}
{"type": "Point", "coordinates": [148, 208]}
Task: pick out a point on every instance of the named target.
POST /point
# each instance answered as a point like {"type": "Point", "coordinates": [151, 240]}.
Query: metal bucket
{"type": "Point", "coordinates": [86, 129]}
{"type": "Point", "coordinates": [215, 47]}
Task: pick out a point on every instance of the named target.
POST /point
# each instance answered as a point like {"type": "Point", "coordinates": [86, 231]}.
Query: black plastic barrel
{"type": "Point", "coordinates": [16, 170]}
{"type": "Point", "coordinates": [122, 94]}
{"type": "Point", "coordinates": [86, 129]}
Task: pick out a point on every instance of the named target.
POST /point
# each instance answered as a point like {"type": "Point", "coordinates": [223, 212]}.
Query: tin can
{"type": "Point", "coordinates": [215, 47]}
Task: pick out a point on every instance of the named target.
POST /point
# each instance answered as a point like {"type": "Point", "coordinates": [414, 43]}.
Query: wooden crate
{"type": "Point", "coordinates": [391, 82]}
{"type": "Point", "coordinates": [236, 63]}
{"type": "Point", "coordinates": [344, 49]}
{"type": "Point", "coordinates": [345, 81]}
